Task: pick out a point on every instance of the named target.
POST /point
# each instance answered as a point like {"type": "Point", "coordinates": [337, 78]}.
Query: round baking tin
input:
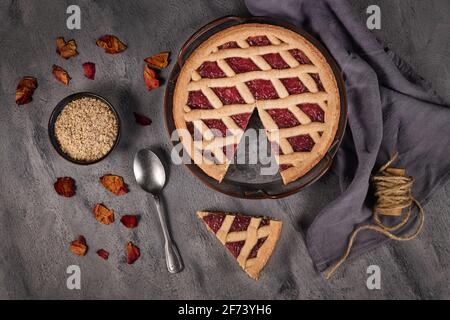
{"type": "Point", "coordinates": [58, 109]}
{"type": "Point", "coordinates": [275, 188]}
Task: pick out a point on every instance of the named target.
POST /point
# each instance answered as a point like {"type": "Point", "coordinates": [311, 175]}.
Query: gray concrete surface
{"type": "Point", "coordinates": [36, 225]}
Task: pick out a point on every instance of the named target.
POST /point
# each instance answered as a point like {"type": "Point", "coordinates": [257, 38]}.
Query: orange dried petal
{"type": "Point", "coordinates": [130, 221]}
{"type": "Point", "coordinates": [150, 78]}
{"type": "Point", "coordinates": [115, 184]}
{"type": "Point", "coordinates": [66, 49]}
{"type": "Point", "coordinates": [79, 246]}
{"type": "Point", "coordinates": [111, 44]}
{"type": "Point", "coordinates": [102, 214]}
{"type": "Point", "coordinates": [133, 253]}
{"type": "Point", "coordinates": [65, 187]}
{"type": "Point", "coordinates": [61, 74]}
{"type": "Point", "coordinates": [25, 90]}
{"type": "Point", "coordinates": [160, 60]}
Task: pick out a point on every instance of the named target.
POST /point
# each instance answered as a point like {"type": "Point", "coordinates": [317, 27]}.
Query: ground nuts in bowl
{"type": "Point", "coordinates": [84, 128]}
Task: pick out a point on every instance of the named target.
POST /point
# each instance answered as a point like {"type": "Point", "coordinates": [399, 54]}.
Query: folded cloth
{"type": "Point", "coordinates": [390, 109]}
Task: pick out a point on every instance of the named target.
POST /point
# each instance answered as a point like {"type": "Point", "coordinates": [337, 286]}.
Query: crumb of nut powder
{"type": "Point", "coordinates": [86, 129]}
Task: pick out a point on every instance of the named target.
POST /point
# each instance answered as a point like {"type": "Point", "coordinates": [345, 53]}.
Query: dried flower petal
{"type": "Point", "coordinates": [142, 120]}
{"type": "Point", "coordinates": [103, 254]}
{"type": "Point", "coordinates": [61, 74]}
{"type": "Point", "coordinates": [115, 184]}
{"type": "Point", "coordinates": [111, 44]}
{"type": "Point", "coordinates": [25, 90]}
{"type": "Point", "coordinates": [129, 221]}
{"type": "Point", "coordinates": [65, 187]}
{"type": "Point", "coordinates": [150, 78]}
{"type": "Point", "coordinates": [160, 60]}
{"type": "Point", "coordinates": [79, 246]}
{"type": "Point", "coordinates": [66, 49]}
{"type": "Point", "coordinates": [103, 214]}
{"type": "Point", "coordinates": [133, 253]}
{"type": "Point", "coordinates": [89, 70]}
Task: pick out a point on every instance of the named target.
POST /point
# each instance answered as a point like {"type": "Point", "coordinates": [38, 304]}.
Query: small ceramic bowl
{"type": "Point", "coordinates": [58, 109]}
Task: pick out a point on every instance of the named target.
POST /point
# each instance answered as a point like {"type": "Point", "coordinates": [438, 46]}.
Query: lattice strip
{"type": "Point", "coordinates": [225, 68]}
{"type": "Point", "coordinates": [261, 63]}
{"type": "Point", "coordinates": [249, 52]}
{"type": "Point", "coordinates": [252, 238]}
{"type": "Point", "coordinates": [252, 75]}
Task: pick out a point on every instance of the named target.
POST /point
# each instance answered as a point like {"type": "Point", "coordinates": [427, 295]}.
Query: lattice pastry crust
{"type": "Point", "coordinates": [256, 241]}
{"type": "Point", "coordinates": [297, 98]}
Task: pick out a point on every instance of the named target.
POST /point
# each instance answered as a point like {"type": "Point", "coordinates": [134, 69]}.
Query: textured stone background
{"type": "Point", "coordinates": [36, 225]}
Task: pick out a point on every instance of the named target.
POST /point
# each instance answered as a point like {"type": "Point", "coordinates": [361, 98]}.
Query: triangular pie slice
{"type": "Point", "coordinates": [251, 240]}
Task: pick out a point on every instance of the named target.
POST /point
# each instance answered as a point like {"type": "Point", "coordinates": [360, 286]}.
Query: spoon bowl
{"type": "Point", "coordinates": [149, 171]}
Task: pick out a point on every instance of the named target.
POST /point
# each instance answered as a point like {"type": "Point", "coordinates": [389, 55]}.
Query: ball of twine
{"type": "Point", "coordinates": [393, 195]}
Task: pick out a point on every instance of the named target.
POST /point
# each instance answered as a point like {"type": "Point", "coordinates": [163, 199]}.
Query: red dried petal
{"type": "Point", "coordinates": [89, 70]}
{"type": "Point", "coordinates": [115, 184]}
{"type": "Point", "coordinates": [142, 120]}
{"type": "Point", "coordinates": [61, 74]}
{"type": "Point", "coordinates": [129, 221]}
{"type": "Point", "coordinates": [103, 254]}
{"type": "Point", "coordinates": [160, 60]}
{"type": "Point", "coordinates": [66, 49]}
{"type": "Point", "coordinates": [150, 78]}
{"type": "Point", "coordinates": [65, 187]}
{"type": "Point", "coordinates": [79, 246]}
{"type": "Point", "coordinates": [25, 90]}
{"type": "Point", "coordinates": [111, 44]}
{"type": "Point", "coordinates": [133, 253]}
{"type": "Point", "coordinates": [102, 214]}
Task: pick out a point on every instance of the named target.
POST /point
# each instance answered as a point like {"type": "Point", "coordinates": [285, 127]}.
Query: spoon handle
{"type": "Point", "coordinates": [173, 258]}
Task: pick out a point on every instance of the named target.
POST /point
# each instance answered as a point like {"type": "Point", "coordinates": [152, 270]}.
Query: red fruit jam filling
{"type": "Point", "coordinates": [229, 150]}
{"type": "Point", "coordinates": [241, 65]}
{"type": "Point", "coordinates": [294, 85]}
{"type": "Point", "coordinates": [313, 111]}
{"type": "Point", "coordinates": [258, 41]}
{"type": "Point", "coordinates": [196, 135]}
{"type": "Point", "coordinates": [301, 143]}
{"type": "Point", "coordinates": [285, 167]}
{"type": "Point", "coordinates": [210, 69]}
{"type": "Point", "coordinates": [242, 119]}
{"type": "Point", "coordinates": [300, 56]}
{"type": "Point", "coordinates": [283, 118]}
{"type": "Point", "coordinates": [218, 128]}
{"type": "Point", "coordinates": [235, 247]}
{"type": "Point", "coordinates": [317, 80]}
{"type": "Point", "coordinates": [255, 249]}
{"type": "Point", "coordinates": [229, 45]}
{"type": "Point", "coordinates": [275, 60]}
{"type": "Point", "coordinates": [197, 100]}
{"type": "Point", "coordinates": [214, 221]}
{"type": "Point", "coordinates": [229, 95]}
{"type": "Point", "coordinates": [240, 223]}
{"type": "Point", "coordinates": [262, 89]}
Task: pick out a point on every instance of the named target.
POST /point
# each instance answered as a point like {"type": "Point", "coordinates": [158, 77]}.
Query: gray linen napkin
{"type": "Point", "coordinates": [390, 109]}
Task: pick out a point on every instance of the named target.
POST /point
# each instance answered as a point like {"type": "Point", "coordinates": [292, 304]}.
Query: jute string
{"type": "Point", "coordinates": [393, 195]}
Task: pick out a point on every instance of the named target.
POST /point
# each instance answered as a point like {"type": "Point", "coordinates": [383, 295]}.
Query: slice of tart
{"type": "Point", "coordinates": [251, 240]}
